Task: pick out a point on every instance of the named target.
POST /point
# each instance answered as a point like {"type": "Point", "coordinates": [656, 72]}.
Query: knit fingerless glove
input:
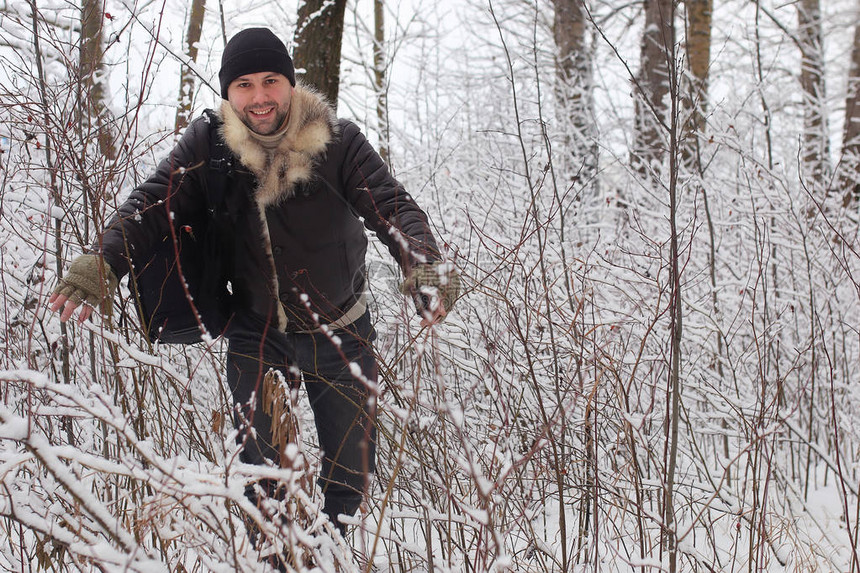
{"type": "Point", "coordinates": [89, 280]}
{"type": "Point", "coordinates": [428, 280]}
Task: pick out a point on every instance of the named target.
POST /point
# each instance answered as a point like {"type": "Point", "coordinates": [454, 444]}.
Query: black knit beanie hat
{"type": "Point", "coordinates": [251, 51]}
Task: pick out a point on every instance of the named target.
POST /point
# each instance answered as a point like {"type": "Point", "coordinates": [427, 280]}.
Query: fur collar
{"type": "Point", "coordinates": [279, 170]}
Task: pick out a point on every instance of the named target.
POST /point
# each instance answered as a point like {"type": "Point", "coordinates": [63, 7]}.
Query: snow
{"type": "Point", "coordinates": [529, 431]}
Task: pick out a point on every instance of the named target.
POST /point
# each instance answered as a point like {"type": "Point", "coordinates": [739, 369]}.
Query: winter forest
{"type": "Point", "coordinates": [653, 207]}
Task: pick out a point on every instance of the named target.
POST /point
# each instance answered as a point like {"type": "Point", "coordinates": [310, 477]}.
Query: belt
{"type": "Point", "coordinates": [352, 314]}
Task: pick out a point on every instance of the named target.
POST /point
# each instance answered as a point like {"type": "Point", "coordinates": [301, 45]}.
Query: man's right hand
{"type": "Point", "coordinates": [88, 283]}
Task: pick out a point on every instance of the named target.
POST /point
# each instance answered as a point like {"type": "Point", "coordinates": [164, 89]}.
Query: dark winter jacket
{"type": "Point", "coordinates": [290, 228]}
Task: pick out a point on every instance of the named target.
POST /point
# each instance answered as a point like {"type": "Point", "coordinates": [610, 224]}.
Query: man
{"type": "Point", "coordinates": [292, 251]}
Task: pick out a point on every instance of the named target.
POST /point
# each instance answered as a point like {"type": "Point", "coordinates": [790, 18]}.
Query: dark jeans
{"type": "Point", "coordinates": [345, 422]}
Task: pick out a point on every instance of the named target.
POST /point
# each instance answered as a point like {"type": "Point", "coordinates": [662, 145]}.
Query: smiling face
{"type": "Point", "coordinates": [261, 100]}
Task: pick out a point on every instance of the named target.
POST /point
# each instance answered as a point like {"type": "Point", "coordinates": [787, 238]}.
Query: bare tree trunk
{"type": "Point", "coordinates": [90, 70]}
{"type": "Point", "coordinates": [574, 88]}
{"type": "Point", "coordinates": [318, 37]}
{"type": "Point", "coordinates": [652, 86]}
{"type": "Point", "coordinates": [676, 304]}
{"type": "Point", "coordinates": [849, 170]}
{"type": "Point", "coordinates": [815, 146]}
{"type": "Point", "coordinates": [699, 14]}
{"type": "Point", "coordinates": [698, 45]}
{"type": "Point", "coordinates": [55, 193]}
{"type": "Point", "coordinates": [186, 78]}
{"type": "Point", "coordinates": [379, 67]}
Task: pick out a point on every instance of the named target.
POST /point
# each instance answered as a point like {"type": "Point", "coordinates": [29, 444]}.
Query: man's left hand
{"type": "Point", "coordinates": [434, 288]}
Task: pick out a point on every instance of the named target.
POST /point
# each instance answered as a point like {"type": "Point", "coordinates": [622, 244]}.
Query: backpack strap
{"type": "Point", "coordinates": [206, 258]}
{"type": "Point", "coordinates": [220, 165]}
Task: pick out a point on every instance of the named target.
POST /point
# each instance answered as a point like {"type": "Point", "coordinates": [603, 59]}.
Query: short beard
{"type": "Point", "coordinates": [279, 122]}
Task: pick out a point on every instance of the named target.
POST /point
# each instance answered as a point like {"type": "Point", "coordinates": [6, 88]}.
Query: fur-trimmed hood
{"type": "Point", "coordinates": [310, 128]}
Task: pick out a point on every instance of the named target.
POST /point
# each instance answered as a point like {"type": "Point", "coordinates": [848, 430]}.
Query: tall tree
{"type": "Point", "coordinates": [91, 75]}
{"type": "Point", "coordinates": [652, 84]}
{"type": "Point", "coordinates": [698, 47]}
{"type": "Point", "coordinates": [379, 67]}
{"type": "Point", "coordinates": [815, 164]}
{"type": "Point", "coordinates": [574, 85]}
{"type": "Point", "coordinates": [698, 44]}
{"type": "Point", "coordinates": [186, 78]}
{"type": "Point", "coordinates": [318, 39]}
{"type": "Point", "coordinates": [849, 171]}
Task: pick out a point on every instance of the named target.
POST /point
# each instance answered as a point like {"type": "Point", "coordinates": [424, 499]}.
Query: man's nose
{"type": "Point", "coordinates": [259, 94]}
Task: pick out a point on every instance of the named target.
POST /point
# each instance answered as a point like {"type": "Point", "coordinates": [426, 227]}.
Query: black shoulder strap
{"type": "Point", "coordinates": [220, 164]}
{"type": "Point", "coordinates": [164, 308]}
